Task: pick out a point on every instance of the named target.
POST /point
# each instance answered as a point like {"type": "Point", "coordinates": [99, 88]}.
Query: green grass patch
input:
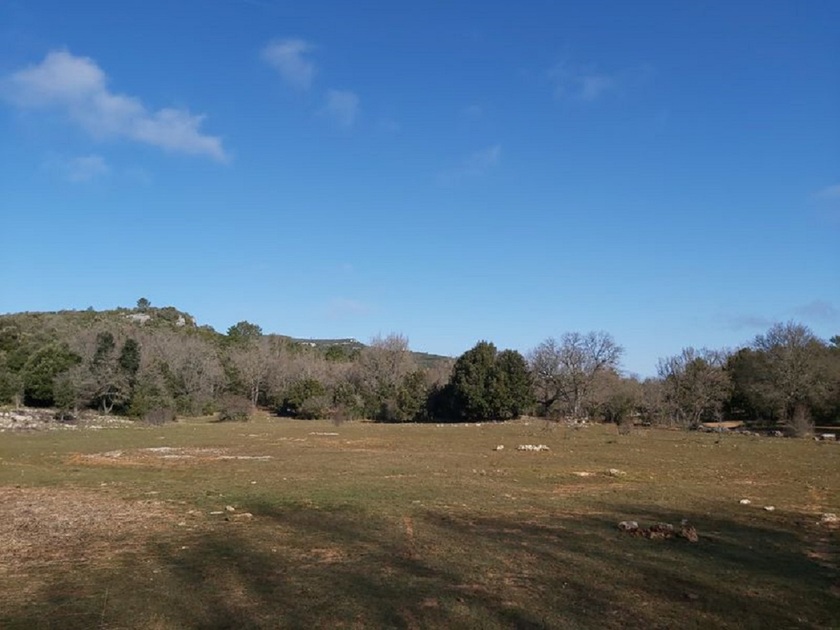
{"type": "Point", "coordinates": [413, 526]}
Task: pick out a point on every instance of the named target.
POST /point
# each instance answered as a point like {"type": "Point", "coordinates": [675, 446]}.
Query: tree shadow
{"type": "Point", "coordinates": [296, 566]}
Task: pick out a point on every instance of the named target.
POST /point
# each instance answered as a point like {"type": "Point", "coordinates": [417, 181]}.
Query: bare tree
{"type": "Point", "coordinates": [564, 372]}
{"type": "Point", "coordinates": [381, 368]}
{"type": "Point", "coordinates": [791, 358]}
{"type": "Point", "coordinates": [546, 372]}
{"type": "Point", "coordinates": [615, 398]}
{"type": "Point", "coordinates": [695, 385]}
{"type": "Point", "coordinates": [254, 362]}
{"type": "Point", "coordinates": [196, 371]}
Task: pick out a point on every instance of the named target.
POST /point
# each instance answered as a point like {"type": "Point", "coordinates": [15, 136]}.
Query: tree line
{"type": "Point", "coordinates": [156, 363]}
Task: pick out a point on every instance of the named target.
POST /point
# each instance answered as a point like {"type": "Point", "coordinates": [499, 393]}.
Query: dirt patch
{"type": "Point", "coordinates": [47, 526]}
{"type": "Point", "coordinates": [327, 555]}
{"type": "Point", "coordinates": [158, 455]}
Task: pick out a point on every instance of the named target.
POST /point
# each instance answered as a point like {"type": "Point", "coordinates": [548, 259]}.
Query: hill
{"type": "Point", "coordinates": [132, 361]}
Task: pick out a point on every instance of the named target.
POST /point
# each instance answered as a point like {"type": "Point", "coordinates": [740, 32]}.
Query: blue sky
{"type": "Point", "coordinates": [454, 171]}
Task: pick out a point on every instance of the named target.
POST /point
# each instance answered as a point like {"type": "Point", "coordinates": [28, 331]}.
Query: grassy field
{"type": "Point", "coordinates": [292, 524]}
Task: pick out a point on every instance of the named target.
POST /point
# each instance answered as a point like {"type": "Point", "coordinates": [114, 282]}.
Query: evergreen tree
{"type": "Point", "coordinates": [487, 385]}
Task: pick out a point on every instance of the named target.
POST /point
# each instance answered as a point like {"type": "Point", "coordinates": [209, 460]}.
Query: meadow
{"type": "Point", "coordinates": [304, 524]}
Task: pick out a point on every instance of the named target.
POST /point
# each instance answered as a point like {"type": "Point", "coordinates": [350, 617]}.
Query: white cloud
{"type": "Point", "coordinates": [85, 168]}
{"type": "Point", "coordinates": [389, 125]}
{"type": "Point", "coordinates": [342, 107]}
{"type": "Point", "coordinates": [584, 83]}
{"type": "Point", "coordinates": [479, 161]}
{"type": "Point", "coordinates": [579, 82]}
{"type": "Point", "coordinates": [831, 193]}
{"type": "Point", "coordinates": [287, 56]}
{"type": "Point", "coordinates": [472, 112]}
{"type": "Point", "coordinates": [594, 85]}
{"type": "Point", "coordinates": [748, 322]}
{"type": "Point", "coordinates": [475, 164]}
{"type": "Point", "coordinates": [819, 310]}
{"type": "Point", "coordinates": [343, 308]}
{"type": "Point", "coordinates": [78, 87]}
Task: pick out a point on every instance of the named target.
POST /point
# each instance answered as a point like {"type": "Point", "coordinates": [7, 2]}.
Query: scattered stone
{"type": "Point", "coordinates": [584, 474]}
{"type": "Point", "coordinates": [245, 457]}
{"type": "Point", "coordinates": [661, 531]}
{"type": "Point", "coordinates": [770, 508]}
{"type": "Point", "coordinates": [692, 597]}
{"type": "Point", "coordinates": [829, 519]}
{"type": "Point", "coordinates": [777, 434]}
{"type": "Point", "coordinates": [242, 516]}
{"type": "Point", "coordinates": [744, 501]}
{"type": "Point", "coordinates": [140, 318]}
{"type": "Point", "coordinates": [216, 512]}
{"type": "Point", "coordinates": [230, 508]}
{"type": "Point", "coordinates": [688, 531]}
{"type": "Point", "coordinates": [532, 447]}
{"type": "Point", "coordinates": [500, 447]}
{"type": "Point", "coordinates": [615, 472]}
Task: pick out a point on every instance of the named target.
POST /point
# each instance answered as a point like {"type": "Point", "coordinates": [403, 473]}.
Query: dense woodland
{"type": "Point", "coordinates": [156, 363]}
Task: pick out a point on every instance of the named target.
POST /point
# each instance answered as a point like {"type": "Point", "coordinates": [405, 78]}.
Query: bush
{"type": "Point", "coordinates": [490, 385]}
{"type": "Point", "coordinates": [409, 402]}
{"type": "Point", "coordinates": [314, 407]}
{"type": "Point", "coordinates": [304, 399]}
{"type": "Point", "coordinates": [159, 416]}
{"type": "Point", "coordinates": [235, 409]}
{"type": "Point", "coordinates": [800, 424]}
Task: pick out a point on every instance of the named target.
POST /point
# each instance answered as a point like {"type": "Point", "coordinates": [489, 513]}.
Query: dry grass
{"type": "Point", "coordinates": [413, 527]}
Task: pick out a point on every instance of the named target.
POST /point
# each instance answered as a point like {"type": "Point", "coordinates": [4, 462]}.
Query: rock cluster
{"type": "Point", "coordinates": [829, 519]}
{"type": "Point", "coordinates": [532, 447]}
{"type": "Point", "coordinates": [19, 420]}
{"type": "Point", "coordinates": [29, 419]}
{"type": "Point", "coordinates": [661, 531]}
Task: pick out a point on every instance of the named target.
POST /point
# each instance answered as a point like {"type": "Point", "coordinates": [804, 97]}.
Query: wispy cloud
{"type": "Point", "coordinates": [586, 83]}
{"type": "Point", "coordinates": [826, 203]}
{"type": "Point", "coordinates": [478, 162]}
{"type": "Point", "coordinates": [829, 193]}
{"type": "Point", "coordinates": [475, 164]}
{"type": "Point", "coordinates": [472, 112]}
{"type": "Point", "coordinates": [580, 82]}
{"type": "Point", "coordinates": [85, 168]}
{"type": "Point", "coordinates": [747, 322]}
{"type": "Point", "coordinates": [388, 125]}
{"type": "Point", "coordinates": [343, 308]}
{"type": "Point", "coordinates": [819, 310]}
{"type": "Point", "coordinates": [288, 57]}
{"type": "Point", "coordinates": [342, 107]}
{"type": "Point", "coordinates": [77, 86]}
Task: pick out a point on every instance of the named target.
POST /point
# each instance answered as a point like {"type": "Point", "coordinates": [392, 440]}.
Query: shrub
{"type": "Point", "coordinates": [800, 424]}
{"type": "Point", "coordinates": [234, 408]}
{"type": "Point", "coordinates": [347, 404]}
{"type": "Point", "coordinates": [304, 399]}
{"type": "Point", "coordinates": [490, 385]}
{"type": "Point", "coordinates": [314, 407]}
{"type": "Point", "coordinates": [159, 416]}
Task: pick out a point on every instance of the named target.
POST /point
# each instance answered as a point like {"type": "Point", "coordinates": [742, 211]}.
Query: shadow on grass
{"type": "Point", "coordinates": [295, 566]}
{"type": "Point", "coordinates": [781, 573]}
